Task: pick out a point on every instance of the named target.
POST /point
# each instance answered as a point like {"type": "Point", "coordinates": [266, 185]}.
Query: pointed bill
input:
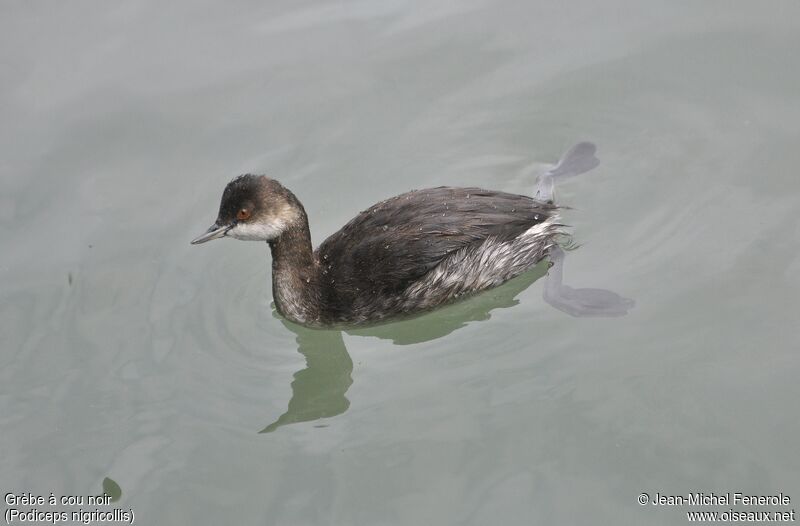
{"type": "Point", "coordinates": [213, 232]}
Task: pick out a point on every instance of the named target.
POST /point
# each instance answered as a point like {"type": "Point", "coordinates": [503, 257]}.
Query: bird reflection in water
{"type": "Point", "coordinates": [318, 390]}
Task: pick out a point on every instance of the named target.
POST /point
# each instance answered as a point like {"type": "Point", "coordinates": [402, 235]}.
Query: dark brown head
{"type": "Point", "coordinates": [254, 208]}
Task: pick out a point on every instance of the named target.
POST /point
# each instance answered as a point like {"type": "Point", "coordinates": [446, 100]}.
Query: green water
{"type": "Point", "coordinates": [130, 355]}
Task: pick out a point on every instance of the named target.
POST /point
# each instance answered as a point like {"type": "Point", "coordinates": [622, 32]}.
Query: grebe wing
{"type": "Point", "coordinates": [397, 241]}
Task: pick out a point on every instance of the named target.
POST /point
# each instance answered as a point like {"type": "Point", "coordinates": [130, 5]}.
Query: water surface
{"type": "Point", "coordinates": [127, 353]}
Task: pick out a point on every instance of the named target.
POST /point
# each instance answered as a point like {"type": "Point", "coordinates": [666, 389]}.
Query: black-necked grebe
{"type": "Point", "coordinates": [407, 254]}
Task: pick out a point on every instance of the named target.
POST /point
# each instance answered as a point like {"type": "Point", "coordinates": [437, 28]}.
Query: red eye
{"type": "Point", "coordinates": [243, 214]}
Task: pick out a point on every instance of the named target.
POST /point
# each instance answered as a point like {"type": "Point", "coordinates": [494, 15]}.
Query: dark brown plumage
{"type": "Point", "coordinates": [389, 246]}
{"type": "Point", "coordinates": [403, 255]}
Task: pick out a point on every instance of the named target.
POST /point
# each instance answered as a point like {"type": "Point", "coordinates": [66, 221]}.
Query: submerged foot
{"type": "Point", "coordinates": [581, 302]}
{"type": "Point", "coordinates": [577, 160]}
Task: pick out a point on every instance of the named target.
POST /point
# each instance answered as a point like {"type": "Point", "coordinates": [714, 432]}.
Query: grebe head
{"type": "Point", "coordinates": [254, 208]}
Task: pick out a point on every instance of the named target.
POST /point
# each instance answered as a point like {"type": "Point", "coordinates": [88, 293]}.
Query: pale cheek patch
{"type": "Point", "coordinates": [257, 231]}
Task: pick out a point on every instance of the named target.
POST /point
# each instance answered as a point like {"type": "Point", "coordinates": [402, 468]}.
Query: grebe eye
{"type": "Point", "coordinates": [243, 214]}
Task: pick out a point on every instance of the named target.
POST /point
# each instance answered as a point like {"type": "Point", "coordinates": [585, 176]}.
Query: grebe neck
{"type": "Point", "coordinates": [294, 272]}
